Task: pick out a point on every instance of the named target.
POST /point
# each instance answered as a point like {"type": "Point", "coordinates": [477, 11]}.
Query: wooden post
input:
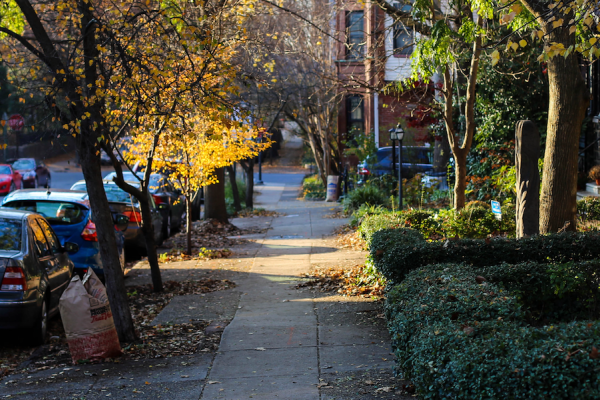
{"type": "Point", "coordinates": [527, 153]}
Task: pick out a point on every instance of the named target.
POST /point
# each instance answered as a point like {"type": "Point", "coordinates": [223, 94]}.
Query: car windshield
{"type": "Point", "coordinates": [115, 193]}
{"type": "Point", "coordinates": [417, 155]}
{"type": "Point", "coordinates": [10, 234]}
{"type": "Point", "coordinates": [56, 212]}
{"type": "Point", "coordinates": [4, 170]}
{"type": "Point", "coordinates": [79, 186]}
{"type": "Point", "coordinates": [24, 164]}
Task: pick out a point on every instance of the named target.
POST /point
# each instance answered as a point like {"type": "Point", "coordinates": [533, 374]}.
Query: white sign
{"type": "Point", "coordinates": [496, 209]}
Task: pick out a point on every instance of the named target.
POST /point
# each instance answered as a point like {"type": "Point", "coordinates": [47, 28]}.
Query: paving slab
{"type": "Point", "coordinates": [199, 307]}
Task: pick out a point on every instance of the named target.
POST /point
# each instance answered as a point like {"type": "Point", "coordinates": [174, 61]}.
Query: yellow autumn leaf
{"type": "Point", "coordinates": [523, 42]}
{"type": "Point", "coordinates": [593, 41]}
{"type": "Point", "coordinates": [514, 46]}
{"type": "Point", "coordinates": [495, 57]}
{"type": "Point", "coordinates": [572, 29]}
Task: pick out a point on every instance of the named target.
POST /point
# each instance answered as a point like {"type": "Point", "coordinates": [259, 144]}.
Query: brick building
{"type": "Point", "coordinates": [371, 53]}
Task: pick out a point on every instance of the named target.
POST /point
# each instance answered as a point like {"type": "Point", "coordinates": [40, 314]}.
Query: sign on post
{"type": "Point", "coordinates": [16, 122]}
{"type": "Point", "coordinates": [496, 209]}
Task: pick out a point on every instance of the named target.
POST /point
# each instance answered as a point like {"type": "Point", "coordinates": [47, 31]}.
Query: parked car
{"type": "Point", "coordinates": [415, 160]}
{"type": "Point", "coordinates": [169, 200]}
{"type": "Point", "coordinates": [35, 269]}
{"type": "Point", "coordinates": [10, 180]}
{"type": "Point", "coordinates": [34, 172]}
{"type": "Point", "coordinates": [69, 214]}
{"type": "Point", "coordinates": [121, 202]}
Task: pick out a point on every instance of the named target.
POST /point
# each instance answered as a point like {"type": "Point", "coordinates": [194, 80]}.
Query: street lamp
{"type": "Point", "coordinates": [397, 133]}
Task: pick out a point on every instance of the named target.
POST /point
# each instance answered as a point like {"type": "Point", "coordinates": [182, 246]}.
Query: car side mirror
{"type": "Point", "coordinates": [162, 206]}
{"type": "Point", "coordinates": [71, 247]}
{"type": "Point", "coordinates": [122, 222]}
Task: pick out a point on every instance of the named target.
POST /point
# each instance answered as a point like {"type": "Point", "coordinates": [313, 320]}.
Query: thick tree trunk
{"type": "Point", "coordinates": [461, 179]}
{"type": "Point", "coordinates": [102, 217]}
{"type": "Point", "coordinates": [148, 231]}
{"type": "Point", "coordinates": [214, 199]}
{"type": "Point", "coordinates": [568, 103]}
{"type": "Point", "coordinates": [234, 189]}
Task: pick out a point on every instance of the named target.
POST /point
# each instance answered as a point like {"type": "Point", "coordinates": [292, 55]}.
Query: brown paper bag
{"type": "Point", "coordinates": [87, 319]}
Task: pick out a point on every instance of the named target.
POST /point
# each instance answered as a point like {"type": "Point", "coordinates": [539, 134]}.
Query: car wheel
{"type": "Point", "coordinates": [13, 187]}
{"type": "Point", "coordinates": [48, 181]}
{"type": "Point", "coordinates": [41, 326]}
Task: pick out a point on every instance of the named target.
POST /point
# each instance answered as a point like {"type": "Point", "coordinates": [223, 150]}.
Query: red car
{"type": "Point", "coordinates": [10, 179]}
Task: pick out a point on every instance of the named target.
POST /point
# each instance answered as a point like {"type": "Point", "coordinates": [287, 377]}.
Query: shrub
{"type": "Point", "coordinates": [365, 211]}
{"type": "Point", "coordinates": [377, 222]}
{"type": "Point", "coordinates": [477, 204]}
{"type": "Point", "coordinates": [364, 195]}
{"type": "Point", "coordinates": [588, 208]}
{"type": "Point", "coordinates": [426, 222]}
{"type": "Point", "coordinates": [313, 187]}
{"type": "Point", "coordinates": [399, 258]}
{"type": "Point", "coordinates": [473, 222]}
{"type": "Point", "coordinates": [459, 337]}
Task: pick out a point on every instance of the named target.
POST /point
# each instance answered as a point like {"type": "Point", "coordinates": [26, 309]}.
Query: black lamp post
{"type": "Point", "coordinates": [397, 133]}
{"type": "Point", "coordinates": [259, 181]}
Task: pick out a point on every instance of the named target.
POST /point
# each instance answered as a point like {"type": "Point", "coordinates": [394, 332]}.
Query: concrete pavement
{"type": "Point", "coordinates": [283, 342]}
{"type": "Point", "coordinates": [280, 342]}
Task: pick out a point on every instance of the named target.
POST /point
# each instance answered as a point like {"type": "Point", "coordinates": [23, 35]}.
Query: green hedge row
{"type": "Point", "coordinates": [472, 222]}
{"type": "Point", "coordinates": [396, 258]}
{"type": "Point", "coordinates": [465, 332]}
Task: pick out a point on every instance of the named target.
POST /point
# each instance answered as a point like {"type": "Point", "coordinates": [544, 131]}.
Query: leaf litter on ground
{"type": "Point", "coordinates": [154, 341]}
{"type": "Point", "coordinates": [358, 280]}
{"type": "Point", "coordinates": [210, 234]}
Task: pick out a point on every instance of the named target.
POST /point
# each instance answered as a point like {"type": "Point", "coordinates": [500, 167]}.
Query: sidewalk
{"type": "Point", "coordinates": [279, 342]}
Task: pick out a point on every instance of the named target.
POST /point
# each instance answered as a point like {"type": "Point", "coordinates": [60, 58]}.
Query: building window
{"type": "Point", "coordinates": [355, 35]}
{"type": "Point", "coordinates": [355, 117]}
{"type": "Point", "coordinates": [403, 40]}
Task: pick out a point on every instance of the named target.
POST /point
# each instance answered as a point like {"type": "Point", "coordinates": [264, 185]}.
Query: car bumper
{"type": "Point", "coordinates": [18, 314]}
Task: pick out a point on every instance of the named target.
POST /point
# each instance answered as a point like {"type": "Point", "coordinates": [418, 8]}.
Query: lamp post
{"type": "Point", "coordinates": [397, 133]}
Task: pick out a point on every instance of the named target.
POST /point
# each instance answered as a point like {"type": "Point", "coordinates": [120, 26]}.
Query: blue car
{"type": "Point", "coordinates": [69, 214]}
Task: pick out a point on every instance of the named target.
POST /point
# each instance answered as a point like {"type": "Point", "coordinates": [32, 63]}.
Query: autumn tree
{"type": "Point", "coordinates": [182, 67]}
{"type": "Point", "coordinates": [72, 46]}
{"type": "Point", "coordinates": [193, 149]}
{"type": "Point", "coordinates": [290, 72]}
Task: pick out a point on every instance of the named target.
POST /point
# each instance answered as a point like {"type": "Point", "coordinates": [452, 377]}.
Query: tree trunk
{"type": "Point", "coordinates": [568, 103]}
{"type": "Point", "coordinates": [188, 228]}
{"type": "Point", "coordinates": [214, 199]}
{"type": "Point", "coordinates": [234, 188]}
{"type": "Point", "coordinates": [248, 167]}
{"type": "Point", "coordinates": [102, 217]}
{"type": "Point", "coordinates": [148, 231]}
{"type": "Point", "coordinates": [460, 158]}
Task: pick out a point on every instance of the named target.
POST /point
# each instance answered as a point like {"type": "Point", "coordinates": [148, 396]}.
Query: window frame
{"type": "Point", "coordinates": [355, 35]}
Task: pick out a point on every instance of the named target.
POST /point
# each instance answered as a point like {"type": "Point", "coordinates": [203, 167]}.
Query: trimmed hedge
{"type": "Point", "coordinates": [588, 208]}
{"type": "Point", "coordinates": [395, 260]}
{"type": "Point", "coordinates": [377, 222]}
{"type": "Point", "coordinates": [458, 336]}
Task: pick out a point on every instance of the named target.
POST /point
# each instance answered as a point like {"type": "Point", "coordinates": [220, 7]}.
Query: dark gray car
{"type": "Point", "coordinates": [34, 271]}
